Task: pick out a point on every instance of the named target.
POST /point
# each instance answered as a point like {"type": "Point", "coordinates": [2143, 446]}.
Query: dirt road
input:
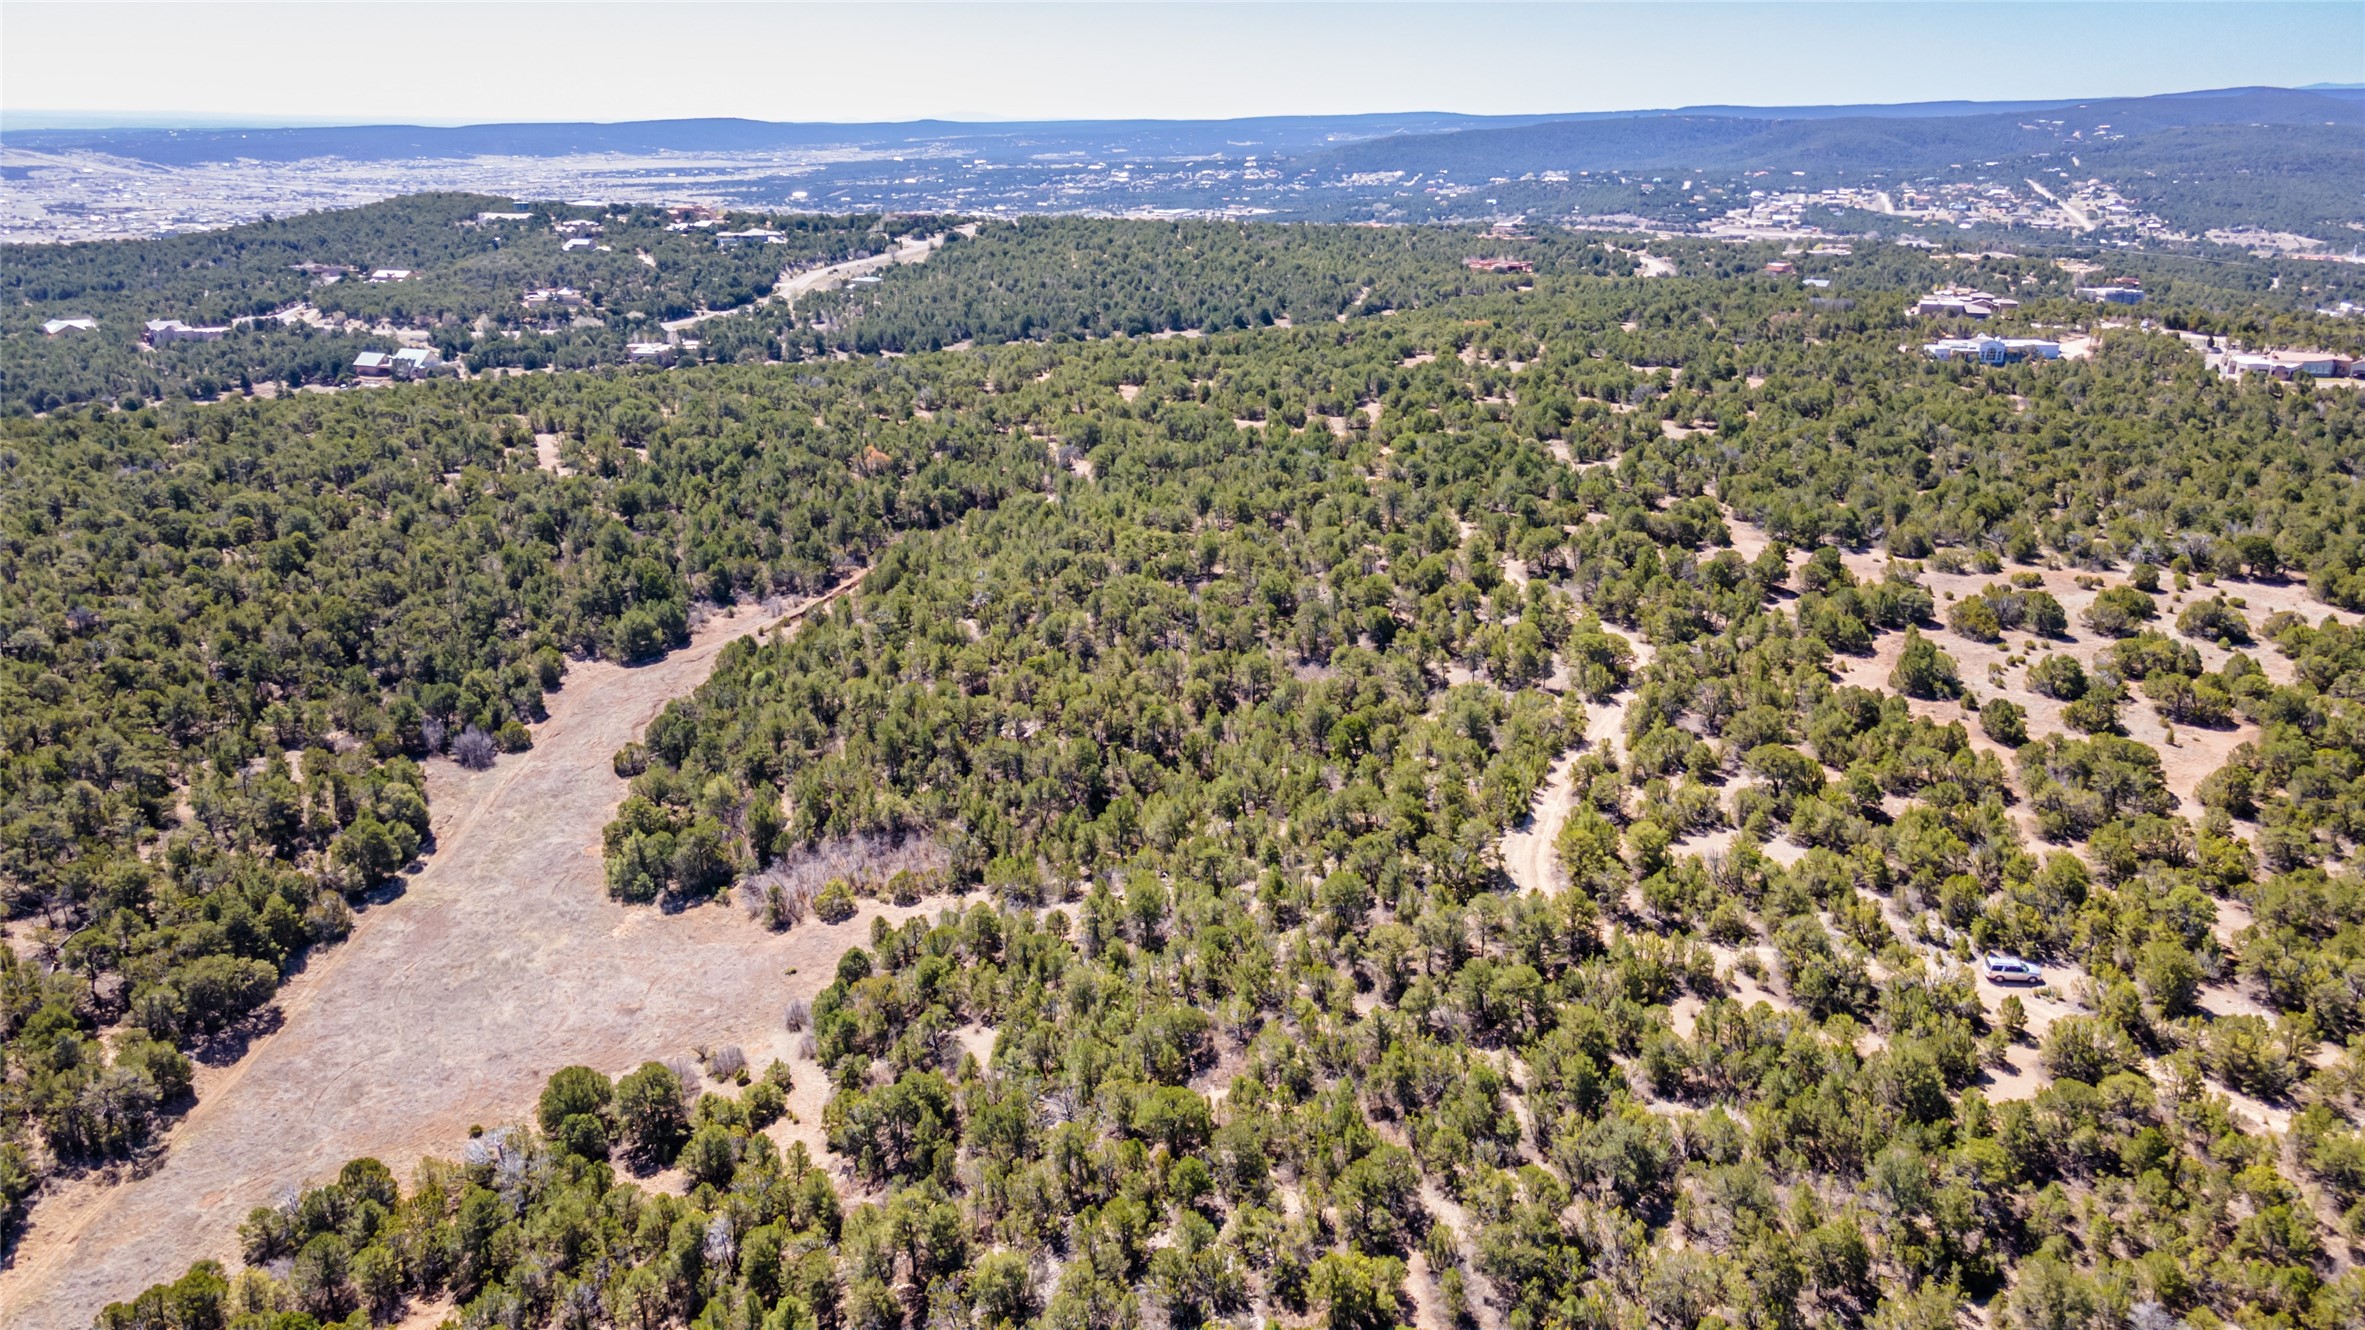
{"type": "Point", "coordinates": [823, 279]}
{"type": "Point", "coordinates": [794, 284]}
{"type": "Point", "coordinates": [503, 961]}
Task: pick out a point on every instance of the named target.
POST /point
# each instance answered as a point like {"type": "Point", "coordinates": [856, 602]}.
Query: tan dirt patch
{"type": "Point", "coordinates": [502, 961]}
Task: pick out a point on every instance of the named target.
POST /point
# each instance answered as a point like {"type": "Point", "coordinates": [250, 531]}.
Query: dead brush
{"type": "Point", "coordinates": [727, 1063]}
{"type": "Point", "coordinates": [782, 895]}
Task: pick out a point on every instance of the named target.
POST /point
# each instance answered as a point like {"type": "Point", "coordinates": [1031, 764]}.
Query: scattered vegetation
{"type": "Point", "coordinates": [1208, 674]}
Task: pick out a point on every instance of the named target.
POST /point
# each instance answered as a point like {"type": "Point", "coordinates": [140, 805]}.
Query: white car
{"type": "Point", "coordinates": [2002, 969]}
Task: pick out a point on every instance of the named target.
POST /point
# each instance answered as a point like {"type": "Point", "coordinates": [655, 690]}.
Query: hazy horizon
{"type": "Point", "coordinates": [35, 119]}
{"type": "Point", "coordinates": [262, 66]}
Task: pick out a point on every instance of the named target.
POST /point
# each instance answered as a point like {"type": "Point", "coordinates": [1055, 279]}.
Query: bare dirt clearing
{"type": "Point", "coordinates": [1528, 847]}
{"type": "Point", "coordinates": [503, 961]}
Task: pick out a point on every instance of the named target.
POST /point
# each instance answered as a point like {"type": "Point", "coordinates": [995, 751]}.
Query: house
{"type": "Point", "coordinates": [1992, 350]}
{"type": "Point", "coordinates": [162, 331]}
{"type": "Point", "coordinates": [391, 275]}
{"type": "Point", "coordinates": [577, 226]}
{"type": "Point", "coordinates": [504, 217]}
{"type": "Point", "coordinates": [2111, 295]}
{"type": "Point", "coordinates": [420, 362]}
{"type": "Point", "coordinates": [323, 273]}
{"type": "Point", "coordinates": [1963, 302]}
{"type": "Point", "coordinates": [577, 243]}
{"type": "Point", "coordinates": [754, 236]}
{"type": "Point", "coordinates": [373, 365]}
{"type": "Point", "coordinates": [56, 326]}
{"type": "Point", "coordinates": [1819, 283]}
{"type": "Point", "coordinates": [1778, 267]}
{"type": "Point", "coordinates": [1498, 265]}
{"type": "Point", "coordinates": [650, 353]}
{"type": "Point", "coordinates": [553, 295]}
{"type": "Point", "coordinates": [2287, 364]}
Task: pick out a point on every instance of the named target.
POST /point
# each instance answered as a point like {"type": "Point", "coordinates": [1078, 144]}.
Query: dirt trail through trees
{"type": "Point", "coordinates": [502, 961]}
{"type": "Point", "coordinates": [1529, 848]}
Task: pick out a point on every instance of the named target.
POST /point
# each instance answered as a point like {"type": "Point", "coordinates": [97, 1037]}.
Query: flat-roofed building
{"type": "Point", "coordinates": [161, 332]}
{"type": "Point", "coordinates": [1992, 350]}
{"type": "Point", "coordinates": [2286, 364]}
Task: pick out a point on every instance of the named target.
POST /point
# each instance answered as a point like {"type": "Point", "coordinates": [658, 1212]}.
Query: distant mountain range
{"type": "Point", "coordinates": [1900, 138]}
{"type": "Point", "coordinates": [1717, 135]}
{"type": "Point", "coordinates": [2236, 159]}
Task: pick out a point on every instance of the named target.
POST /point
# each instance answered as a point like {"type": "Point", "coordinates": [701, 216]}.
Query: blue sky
{"type": "Point", "coordinates": [421, 61]}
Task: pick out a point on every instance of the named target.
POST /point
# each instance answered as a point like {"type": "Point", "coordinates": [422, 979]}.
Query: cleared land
{"type": "Point", "coordinates": [502, 961]}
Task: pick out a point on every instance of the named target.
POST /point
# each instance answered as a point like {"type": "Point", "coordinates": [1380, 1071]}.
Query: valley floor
{"type": "Point", "coordinates": [502, 960]}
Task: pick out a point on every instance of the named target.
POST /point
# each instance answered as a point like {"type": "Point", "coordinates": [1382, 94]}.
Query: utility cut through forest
{"type": "Point", "coordinates": [1193, 690]}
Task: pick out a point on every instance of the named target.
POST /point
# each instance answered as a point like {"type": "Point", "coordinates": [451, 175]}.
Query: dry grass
{"type": "Point", "coordinates": [502, 961]}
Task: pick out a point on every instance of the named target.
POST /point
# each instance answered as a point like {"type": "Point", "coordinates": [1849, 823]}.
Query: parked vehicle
{"type": "Point", "coordinates": [2002, 969]}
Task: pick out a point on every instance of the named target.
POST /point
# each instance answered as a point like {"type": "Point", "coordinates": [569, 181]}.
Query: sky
{"type": "Point", "coordinates": [432, 62]}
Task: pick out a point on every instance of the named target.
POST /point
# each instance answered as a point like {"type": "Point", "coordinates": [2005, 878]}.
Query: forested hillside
{"type": "Point", "coordinates": [1212, 674]}
{"type": "Point", "coordinates": [1071, 277]}
{"type": "Point", "coordinates": [247, 623]}
{"type": "Point", "coordinates": [464, 289]}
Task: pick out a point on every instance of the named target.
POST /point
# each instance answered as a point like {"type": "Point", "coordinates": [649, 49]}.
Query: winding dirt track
{"type": "Point", "coordinates": [502, 961]}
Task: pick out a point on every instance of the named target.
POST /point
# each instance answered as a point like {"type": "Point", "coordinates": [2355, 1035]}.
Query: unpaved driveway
{"type": "Point", "coordinates": [837, 274]}
{"type": "Point", "coordinates": [1529, 846]}
{"type": "Point", "coordinates": [503, 961]}
{"type": "Point", "coordinates": [794, 284]}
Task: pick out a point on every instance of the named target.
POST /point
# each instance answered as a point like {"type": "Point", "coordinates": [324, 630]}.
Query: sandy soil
{"type": "Point", "coordinates": [1527, 847]}
{"type": "Point", "coordinates": [1745, 990]}
{"type": "Point", "coordinates": [2020, 1077]}
{"type": "Point", "coordinates": [2191, 758]}
{"type": "Point", "coordinates": [502, 961]}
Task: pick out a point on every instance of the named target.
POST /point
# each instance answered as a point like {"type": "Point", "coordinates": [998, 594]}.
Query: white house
{"type": "Point", "coordinates": [1992, 350]}
{"type": "Point", "coordinates": [56, 326]}
{"type": "Point", "coordinates": [419, 362]}
{"type": "Point", "coordinates": [161, 331]}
